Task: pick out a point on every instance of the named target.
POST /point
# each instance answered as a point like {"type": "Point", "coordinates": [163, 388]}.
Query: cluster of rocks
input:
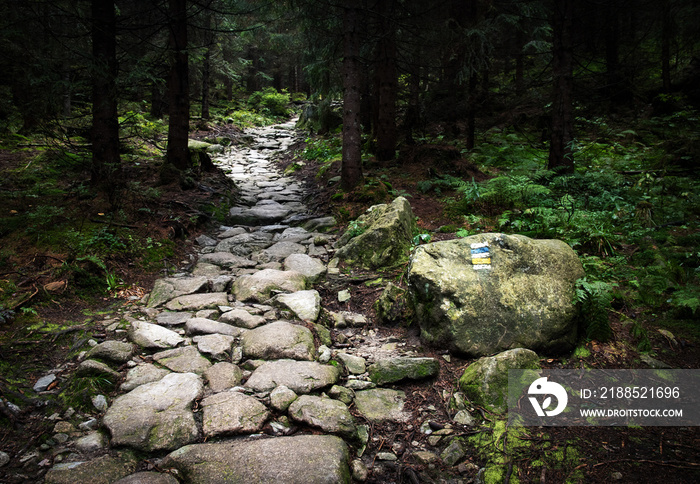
{"type": "Point", "coordinates": [233, 371]}
{"type": "Point", "coordinates": [236, 353]}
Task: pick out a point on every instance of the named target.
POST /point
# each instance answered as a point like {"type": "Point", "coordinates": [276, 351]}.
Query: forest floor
{"type": "Point", "coordinates": [59, 316]}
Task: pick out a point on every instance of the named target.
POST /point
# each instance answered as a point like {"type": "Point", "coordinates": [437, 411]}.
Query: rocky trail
{"type": "Point", "coordinates": [235, 371]}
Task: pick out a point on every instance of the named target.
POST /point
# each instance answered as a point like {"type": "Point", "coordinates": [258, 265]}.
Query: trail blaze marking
{"type": "Point", "coordinates": [481, 256]}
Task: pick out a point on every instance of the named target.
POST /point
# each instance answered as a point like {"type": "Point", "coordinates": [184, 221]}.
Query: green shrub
{"type": "Point", "coordinates": [269, 101]}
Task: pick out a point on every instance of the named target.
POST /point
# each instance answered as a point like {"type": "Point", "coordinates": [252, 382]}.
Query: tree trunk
{"type": "Point", "coordinates": [351, 168]}
{"type": "Point", "coordinates": [560, 149]}
{"type": "Point", "coordinates": [666, 33]}
{"type": "Point", "coordinates": [386, 84]}
{"type": "Point", "coordinates": [471, 112]}
{"type": "Point", "coordinates": [206, 70]}
{"type": "Point", "coordinates": [105, 122]}
{"type": "Point", "coordinates": [612, 47]}
{"type": "Point", "coordinates": [519, 63]}
{"type": "Point", "coordinates": [178, 87]}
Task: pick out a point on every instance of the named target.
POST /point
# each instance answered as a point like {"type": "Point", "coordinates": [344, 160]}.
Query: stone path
{"type": "Point", "coordinates": [233, 372]}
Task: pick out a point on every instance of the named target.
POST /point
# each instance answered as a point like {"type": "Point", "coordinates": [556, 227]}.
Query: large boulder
{"type": "Point", "coordinates": [259, 287]}
{"type": "Point", "coordinates": [381, 237]}
{"type": "Point", "coordinates": [493, 292]}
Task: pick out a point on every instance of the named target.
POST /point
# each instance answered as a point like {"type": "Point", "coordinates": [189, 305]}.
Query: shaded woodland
{"type": "Point", "coordinates": [575, 120]}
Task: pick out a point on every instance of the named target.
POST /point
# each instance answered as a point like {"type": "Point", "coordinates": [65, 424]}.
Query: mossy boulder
{"type": "Point", "coordinates": [485, 382]}
{"type": "Point", "coordinates": [381, 237]}
{"type": "Point", "coordinates": [492, 292]}
{"type": "Point", "coordinates": [392, 306]}
{"type": "Point", "coordinates": [391, 370]}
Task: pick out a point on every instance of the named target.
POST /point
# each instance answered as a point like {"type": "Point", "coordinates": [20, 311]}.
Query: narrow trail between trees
{"type": "Point", "coordinates": [235, 371]}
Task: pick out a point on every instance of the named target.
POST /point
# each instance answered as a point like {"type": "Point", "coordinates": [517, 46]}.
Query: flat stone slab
{"type": "Point", "coordinates": [391, 370]}
{"type": "Point", "coordinates": [279, 340]}
{"type": "Point", "coordinates": [102, 470]}
{"type": "Point", "coordinates": [242, 319]}
{"type": "Point", "coordinates": [156, 416]}
{"type": "Point", "coordinates": [305, 304]}
{"type": "Point", "coordinates": [209, 326]}
{"type": "Point", "coordinates": [142, 374]}
{"type": "Point", "coordinates": [183, 360]}
{"type": "Point", "coordinates": [216, 345]}
{"type": "Point", "coordinates": [148, 335]}
{"type": "Point", "coordinates": [303, 459]}
{"type": "Point", "coordinates": [196, 302]}
{"type": "Point", "coordinates": [167, 289]}
{"type": "Point", "coordinates": [327, 414]}
{"type": "Point", "coordinates": [279, 251]}
{"type": "Point", "coordinates": [226, 260]}
{"type": "Point", "coordinates": [354, 364]}
{"type": "Point", "coordinates": [310, 267]}
{"type": "Point", "coordinates": [258, 287]}
{"type": "Point", "coordinates": [222, 376]}
{"type": "Point", "coordinates": [299, 376]}
{"type": "Point", "coordinates": [232, 413]}
{"type": "Point", "coordinates": [173, 318]}
{"type": "Point", "coordinates": [381, 404]}
{"type": "Point", "coordinates": [112, 350]}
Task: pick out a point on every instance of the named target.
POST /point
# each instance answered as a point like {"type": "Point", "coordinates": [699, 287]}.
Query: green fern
{"type": "Point", "coordinates": [595, 298]}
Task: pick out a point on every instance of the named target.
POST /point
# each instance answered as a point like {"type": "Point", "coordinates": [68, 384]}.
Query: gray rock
{"type": "Point", "coordinates": [393, 305]}
{"type": "Point", "coordinates": [226, 260]}
{"type": "Point", "coordinates": [259, 286]}
{"type": "Point", "coordinates": [232, 232]}
{"type": "Point", "coordinates": [279, 340]}
{"type": "Point", "coordinates": [205, 241]}
{"type": "Point", "coordinates": [343, 394]}
{"type": "Point", "coordinates": [300, 376]}
{"type": "Point", "coordinates": [327, 414]}
{"type": "Point", "coordinates": [183, 360]}
{"type": "Point", "coordinates": [95, 368]}
{"type": "Point", "coordinates": [523, 296]}
{"type": "Point", "coordinates": [156, 416]}
{"type": "Point", "coordinates": [148, 478]}
{"type": "Point", "coordinates": [100, 403]}
{"type": "Point", "coordinates": [354, 364]}
{"type": "Point", "coordinates": [321, 224]}
{"type": "Point", "coordinates": [216, 345]}
{"type": "Point", "coordinates": [222, 376]}
{"type": "Point", "coordinates": [102, 470]}
{"type": "Point", "coordinates": [303, 459]}
{"type": "Point", "coordinates": [485, 381]}
{"type": "Point", "coordinates": [112, 350]}
{"type": "Point", "coordinates": [382, 404]}
{"type": "Point", "coordinates": [453, 453]}
{"type": "Point", "coordinates": [386, 239]}
{"type": "Point", "coordinates": [149, 335]}
{"type": "Point", "coordinates": [173, 318]}
{"type": "Point", "coordinates": [305, 304]}
{"type": "Point", "coordinates": [195, 302]}
{"type": "Point", "coordinates": [209, 326]}
{"type": "Point", "coordinates": [395, 369]}
{"type": "Point", "coordinates": [279, 251]}
{"type": "Point", "coordinates": [92, 442]}
{"type": "Point", "coordinates": [232, 412]}
{"type": "Point", "coordinates": [242, 319]}
{"type": "Point", "coordinates": [4, 459]}
{"type": "Point", "coordinates": [312, 268]}
{"type": "Point", "coordinates": [281, 398]}
{"type": "Point", "coordinates": [43, 383]}
{"type": "Point", "coordinates": [142, 374]}
{"type": "Point", "coordinates": [167, 289]}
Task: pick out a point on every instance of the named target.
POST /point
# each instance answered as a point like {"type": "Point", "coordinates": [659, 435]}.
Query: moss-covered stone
{"type": "Point", "coordinates": [385, 239]}
{"type": "Point", "coordinates": [391, 370]}
{"type": "Point", "coordinates": [485, 382]}
{"type": "Point", "coordinates": [101, 470]}
{"type": "Point", "coordinates": [519, 295]}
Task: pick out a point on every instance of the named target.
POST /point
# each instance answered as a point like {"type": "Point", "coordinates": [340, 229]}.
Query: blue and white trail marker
{"type": "Point", "coordinates": [481, 256]}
